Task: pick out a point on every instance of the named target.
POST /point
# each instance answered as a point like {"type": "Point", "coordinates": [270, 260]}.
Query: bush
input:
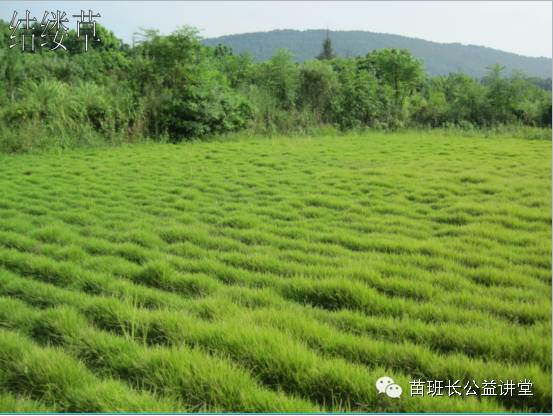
{"type": "Point", "coordinates": [53, 114]}
{"type": "Point", "coordinates": [173, 88]}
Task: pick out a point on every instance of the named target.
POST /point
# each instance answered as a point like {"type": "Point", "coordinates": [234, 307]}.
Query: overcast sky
{"type": "Point", "coordinates": [522, 27]}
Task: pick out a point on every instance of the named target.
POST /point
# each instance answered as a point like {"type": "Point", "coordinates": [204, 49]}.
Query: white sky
{"type": "Point", "coordinates": [523, 27]}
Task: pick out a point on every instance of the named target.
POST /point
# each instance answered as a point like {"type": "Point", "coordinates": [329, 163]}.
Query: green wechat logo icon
{"type": "Point", "coordinates": [387, 385]}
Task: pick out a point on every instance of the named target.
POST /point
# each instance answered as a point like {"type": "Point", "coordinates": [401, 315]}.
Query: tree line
{"type": "Point", "coordinates": [175, 88]}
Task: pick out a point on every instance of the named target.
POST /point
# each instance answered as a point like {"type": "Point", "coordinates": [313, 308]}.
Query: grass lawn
{"type": "Point", "coordinates": [275, 275]}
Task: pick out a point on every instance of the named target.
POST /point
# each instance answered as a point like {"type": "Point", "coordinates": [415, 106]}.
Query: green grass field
{"type": "Point", "coordinates": [275, 275]}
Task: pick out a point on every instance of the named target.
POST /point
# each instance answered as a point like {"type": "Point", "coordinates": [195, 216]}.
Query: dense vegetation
{"type": "Point", "coordinates": [175, 88]}
{"type": "Point", "coordinates": [275, 275]}
{"type": "Point", "coordinates": [438, 58]}
{"type": "Point", "coordinates": [257, 275]}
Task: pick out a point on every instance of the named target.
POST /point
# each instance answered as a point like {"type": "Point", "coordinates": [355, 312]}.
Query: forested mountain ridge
{"type": "Point", "coordinates": [438, 58]}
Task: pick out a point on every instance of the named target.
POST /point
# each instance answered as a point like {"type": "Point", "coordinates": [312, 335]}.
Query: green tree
{"type": "Point", "coordinates": [397, 68]}
{"type": "Point", "coordinates": [108, 41]}
{"type": "Point", "coordinates": [361, 101]}
{"type": "Point", "coordinates": [431, 106]}
{"type": "Point", "coordinates": [498, 95]}
{"type": "Point", "coordinates": [185, 95]}
{"type": "Point", "coordinates": [318, 85]}
{"type": "Point", "coordinates": [222, 50]}
{"type": "Point", "coordinates": [327, 52]}
{"type": "Point", "coordinates": [280, 75]}
{"type": "Point", "coordinates": [238, 69]}
{"type": "Point", "coordinates": [466, 99]}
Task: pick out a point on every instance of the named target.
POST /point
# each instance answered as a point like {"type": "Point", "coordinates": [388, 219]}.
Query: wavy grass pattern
{"type": "Point", "coordinates": [275, 275]}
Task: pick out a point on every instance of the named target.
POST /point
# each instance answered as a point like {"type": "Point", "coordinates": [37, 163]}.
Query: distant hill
{"type": "Point", "coordinates": [439, 58]}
